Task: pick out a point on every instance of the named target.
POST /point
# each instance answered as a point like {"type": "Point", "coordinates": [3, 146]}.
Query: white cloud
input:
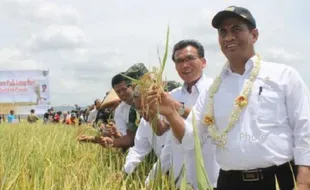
{"type": "Point", "coordinates": [58, 37]}
{"type": "Point", "coordinates": [15, 59]}
{"type": "Point", "coordinates": [279, 54]}
{"type": "Point", "coordinates": [40, 12]}
{"type": "Point", "coordinates": [84, 44]}
{"type": "Point", "coordinates": [53, 13]}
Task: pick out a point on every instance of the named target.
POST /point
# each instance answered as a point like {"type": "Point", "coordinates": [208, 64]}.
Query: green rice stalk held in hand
{"type": "Point", "coordinates": [152, 80]}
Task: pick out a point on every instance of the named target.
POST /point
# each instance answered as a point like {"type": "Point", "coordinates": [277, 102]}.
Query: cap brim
{"type": "Point", "coordinates": [220, 16]}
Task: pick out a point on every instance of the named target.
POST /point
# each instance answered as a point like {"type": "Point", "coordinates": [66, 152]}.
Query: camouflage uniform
{"type": "Point", "coordinates": [134, 119]}
{"type": "Point", "coordinates": [170, 85]}
{"type": "Point", "coordinates": [136, 71]}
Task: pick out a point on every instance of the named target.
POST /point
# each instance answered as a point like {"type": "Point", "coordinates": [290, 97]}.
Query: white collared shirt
{"type": "Point", "coordinates": [92, 115]}
{"type": "Point", "coordinates": [145, 141]}
{"type": "Point", "coordinates": [173, 154]}
{"type": "Point", "coordinates": [273, 128]}
{"type": "Point", "coordinates": [121, 117]}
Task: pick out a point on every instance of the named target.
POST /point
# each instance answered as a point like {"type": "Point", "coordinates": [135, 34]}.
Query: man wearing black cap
{"type": "Point", "coordinates": [256, 112]}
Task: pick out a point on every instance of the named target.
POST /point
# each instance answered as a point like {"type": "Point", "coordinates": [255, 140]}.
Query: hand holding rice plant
{"type": "Point", "coordinates": [166, 104]}
{"type": "Point", "coordinates": [106, 141]}
{"type": "Point", "coordinates": [151, 82]}
{"type": "Point", "coordinates": [111, 130]}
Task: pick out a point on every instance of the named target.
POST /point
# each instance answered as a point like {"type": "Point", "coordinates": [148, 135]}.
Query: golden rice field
{"type": "Point", "coordinates": [49, 157]}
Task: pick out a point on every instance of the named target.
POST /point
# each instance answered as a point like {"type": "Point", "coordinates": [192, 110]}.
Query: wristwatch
{"type": "Point", "coordinates": [181, 110]}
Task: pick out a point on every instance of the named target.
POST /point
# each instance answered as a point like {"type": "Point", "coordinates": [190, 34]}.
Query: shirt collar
{"type": "Point", "coordinates": [248, 66]}
{"type": "Point", "coordinates": [198, 86]}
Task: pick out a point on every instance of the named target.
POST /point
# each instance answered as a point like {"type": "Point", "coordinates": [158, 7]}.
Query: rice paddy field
{"type": "Point", "coordinates": [50, 157]}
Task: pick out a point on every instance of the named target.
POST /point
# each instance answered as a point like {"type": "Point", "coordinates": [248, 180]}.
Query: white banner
{"type": "Point", "coordinates": [22, 91]}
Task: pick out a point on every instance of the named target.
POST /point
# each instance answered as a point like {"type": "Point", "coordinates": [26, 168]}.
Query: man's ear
{"type": "Point", "coordinates": [255, 35]}
{"type": "Point", "coordinates": [204, 62]}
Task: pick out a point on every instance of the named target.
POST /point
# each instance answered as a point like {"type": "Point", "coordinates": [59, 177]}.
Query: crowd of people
{"type": "Point", "coordinates": [249, 98]}
{"type": "Point", "coordinates": [11, 118]}
{"type": "Point", "coordinates": [253, 119]}
{"type": "Point", "coordinates": [92, 115]}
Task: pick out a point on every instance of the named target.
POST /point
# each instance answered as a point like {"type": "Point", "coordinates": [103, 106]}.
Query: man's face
{"type": "Point", "coordinates": [97, 104]}
{"type": "Point", "coordinates": [138, 103]}
{"type": "Point", "coordinates": [235, 38]}
{"type": "Point", "coordinates": [123, 92]}
{"type": "Point", "coordinates": [188, 64]}
{"type": "Point", "coordinates": [44, 88]}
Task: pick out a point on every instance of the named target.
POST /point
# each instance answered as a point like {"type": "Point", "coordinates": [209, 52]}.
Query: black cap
{"type": "Point", "coordinates": [233, 11]}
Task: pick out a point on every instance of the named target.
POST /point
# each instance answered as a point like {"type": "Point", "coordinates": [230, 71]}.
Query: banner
{"type": "Point", "coordinates": [22, 91]}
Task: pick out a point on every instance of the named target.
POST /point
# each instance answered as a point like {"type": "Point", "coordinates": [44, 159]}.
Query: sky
{"type": "Point", "coordinates": [85, 43]}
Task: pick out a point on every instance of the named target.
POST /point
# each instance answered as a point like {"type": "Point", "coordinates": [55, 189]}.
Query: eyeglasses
{"type": "Point", "coordinates": [186, 59]}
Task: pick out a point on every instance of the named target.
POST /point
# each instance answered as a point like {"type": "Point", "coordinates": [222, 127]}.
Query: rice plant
{"type": "Point", "coordinates": [50, 157]}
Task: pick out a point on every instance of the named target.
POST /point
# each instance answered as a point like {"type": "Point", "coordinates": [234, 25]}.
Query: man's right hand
{"type": "Point", "coordinates": [112, 130]}
{"type": "Point", "coordinates": [166, 105]}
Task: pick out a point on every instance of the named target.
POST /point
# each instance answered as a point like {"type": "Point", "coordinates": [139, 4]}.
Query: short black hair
{"type": "Point", "coordinates": [96, 101]}
{"type": "Point", "coordinates": [32, 111]}
{"type": "Point", "coordinates": [118, 79]}
{"type": "Point", "coordinates": [184, 43]}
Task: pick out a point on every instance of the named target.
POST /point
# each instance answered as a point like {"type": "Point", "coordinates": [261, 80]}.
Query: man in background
{"type": "Point", "coordinates": [11, 117]}
{"type": "Point", "coordinates": [32, 117]}
{"type": "Point", "coordinates": [92, 115]}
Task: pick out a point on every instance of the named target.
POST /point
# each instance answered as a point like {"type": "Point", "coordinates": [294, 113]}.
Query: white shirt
{"type": "Point", "coordinates": [175, 152]}
{"type": "Point", "coordinates": [92, 115]}
{"type": "Point", "coordinates": [121, 117]}
{"type": "Point", "coordinates": [44, 97]}
{"type": "Point", "coordinates": [273, 129]}
{"type": "Point", "coordinates": [145, 141]}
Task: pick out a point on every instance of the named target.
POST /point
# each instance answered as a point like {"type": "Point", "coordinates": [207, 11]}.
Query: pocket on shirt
{"type": "Point", "coordinates": [269, 104]}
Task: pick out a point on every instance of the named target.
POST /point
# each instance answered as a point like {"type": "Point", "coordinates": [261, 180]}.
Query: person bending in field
{"type": "Point", "coordinates": [121, 133]}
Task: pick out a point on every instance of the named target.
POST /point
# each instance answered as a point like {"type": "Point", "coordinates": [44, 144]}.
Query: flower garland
{"type": "Point", "coordinates": [240, 102]}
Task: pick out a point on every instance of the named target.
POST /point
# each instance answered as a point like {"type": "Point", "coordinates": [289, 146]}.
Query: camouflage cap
{"type": "Point", "coordinates": [136, 71]}
{"type": "Point", "coordinates": [170, 85]}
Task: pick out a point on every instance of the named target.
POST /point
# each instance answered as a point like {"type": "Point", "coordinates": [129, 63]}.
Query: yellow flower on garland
{"type": "Point", "coordinates": [209, 120]}
{"type": "Point", "coordinates": [241, 101]}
